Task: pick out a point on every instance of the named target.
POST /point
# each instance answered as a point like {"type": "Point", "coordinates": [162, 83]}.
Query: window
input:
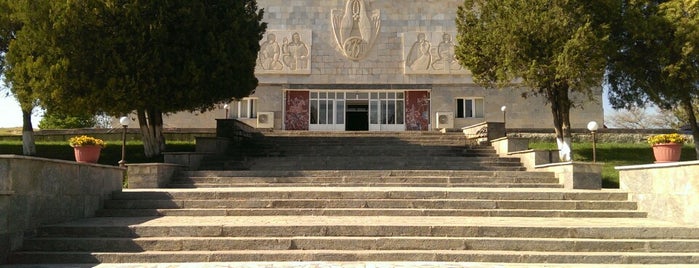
{"type": "Point", "coordinates": [327, 108]}
{"type": "Point", "coordinates": [245, 108]}
{"type": "Point", "coordinates": [469, 107]}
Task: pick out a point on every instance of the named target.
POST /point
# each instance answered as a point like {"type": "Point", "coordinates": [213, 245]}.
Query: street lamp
{"type": "Point", "coordinates": [592, 127]}
{"type": "Point", "coordinates": [124, 121]}
{"type": "Point", "coordinates": [226, 107]}
{"type": "Point", "coordinates": [504, 118]}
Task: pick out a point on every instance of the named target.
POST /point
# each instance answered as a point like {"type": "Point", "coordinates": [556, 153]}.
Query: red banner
{"type": "Point", "coordinates": [417, 110]}
{"type": "Point", "coordinates": [297, 116]}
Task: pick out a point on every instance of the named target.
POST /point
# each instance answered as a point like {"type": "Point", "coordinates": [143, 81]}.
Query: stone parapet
{"type": "Point", "coordinates": [151, 175]}
{"type": "Point", "coordinates": [506, 145]}
{"type": "Point", "coordinates": [36, 191]}
{"type": "Point", "coordinates": [532, 158]}
{"type": "Point", "coordinates": [667, 191]}
{"type": "Point", "coordinates": [576, 175]}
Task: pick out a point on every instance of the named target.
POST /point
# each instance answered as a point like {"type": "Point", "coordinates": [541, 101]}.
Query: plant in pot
{"type": "Point", "coordinates": [87, 149]}
{"type": "Point", "coordinates": [667, 147]}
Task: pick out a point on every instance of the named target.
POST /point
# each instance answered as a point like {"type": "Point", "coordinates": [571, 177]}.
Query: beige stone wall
{"type": "Point", "coordinates": [35, 192]}
{"type": "Point", "coordinates": [668, 191]}
{"type": "Point", "coordinates": [389, 29]}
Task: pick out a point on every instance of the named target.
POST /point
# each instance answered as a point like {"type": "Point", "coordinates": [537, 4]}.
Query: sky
{"type": "Point", "coordinates": [11, 114]}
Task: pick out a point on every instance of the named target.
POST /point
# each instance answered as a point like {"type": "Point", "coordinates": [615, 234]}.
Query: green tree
{"type": "Point", "coordinates": [154, 57]}
{"type": "Point", "coordinates": [656, 57]}
{"type": "Point", "coordinates": [18, 38]}
{"type": "Point", "coordinates": [552, 48]}
{"type": "Point", "coordinates": [63, 121]}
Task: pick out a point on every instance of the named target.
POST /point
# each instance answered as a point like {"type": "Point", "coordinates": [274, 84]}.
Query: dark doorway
{"type": "Point", "coordinates": [357, 117]}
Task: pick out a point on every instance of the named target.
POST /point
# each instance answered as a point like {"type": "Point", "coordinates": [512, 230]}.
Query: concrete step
{"type": "Point", "coordinates": [373, 212]}
{"type": "Point", "coordinates": [470, 256]}
{"type": "Point", "coordinates": [194, 184]}
{"type": "Point", "coordinates": [402, 180]}
{"type": "Point", "coordinates": [358, 174]}
{"type": "Point", "coordinates": [369, 226]}
{"type": "Point", "coordinates": [369, 193]}
{"type": "Point", "coordinates": [100, 244]}
{"type": "Point", "coordinates": [362, 203]}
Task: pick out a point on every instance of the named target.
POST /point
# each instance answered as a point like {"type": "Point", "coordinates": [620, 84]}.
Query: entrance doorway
{"type": "Point", "coordinates": [357, 116]}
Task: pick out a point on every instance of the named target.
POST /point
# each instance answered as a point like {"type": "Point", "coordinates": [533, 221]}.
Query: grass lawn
{"type": "Point", "coordinates": [615, 154]}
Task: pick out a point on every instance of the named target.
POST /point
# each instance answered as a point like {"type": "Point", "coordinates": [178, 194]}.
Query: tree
{"type": "Point", "coordinates": [154, 57]}
{"type": "Point", "coordinates": [63, 121]}
{"type": "Point", "coordinates": [640, 118]}
{"type": "Point", "coordinates": [553, 48]}
{"type": "Point", "coordinates": [17, 64]}
{"type": "Point", "coordinates": [656, 57]}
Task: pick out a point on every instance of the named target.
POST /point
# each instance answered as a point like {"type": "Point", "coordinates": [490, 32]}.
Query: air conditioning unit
{"type": "Point", "coordinates": [445, 120]}
{"type": "Point", "coordinates": [265, 120]}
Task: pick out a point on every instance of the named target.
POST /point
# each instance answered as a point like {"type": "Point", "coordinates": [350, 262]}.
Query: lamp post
{"type": "Point", "coordinates": [226, 107]}
{"type": "Point", "coordinates": [124, 121]}
{"type": "Point", "coordinates": [504, 118]}
{"type": "Point", "coordinates": [592, 127]}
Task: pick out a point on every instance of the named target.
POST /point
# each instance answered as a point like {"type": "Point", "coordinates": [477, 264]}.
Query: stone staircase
{"type": "Point", "coordinates": [290, 206]}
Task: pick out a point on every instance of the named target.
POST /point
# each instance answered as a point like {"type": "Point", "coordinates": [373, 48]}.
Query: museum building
{"type": "Point", "coordinates": [371, 65]}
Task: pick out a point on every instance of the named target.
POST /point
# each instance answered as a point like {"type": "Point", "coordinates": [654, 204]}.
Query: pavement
{"type": "Point", "coordinates": [344, 265]}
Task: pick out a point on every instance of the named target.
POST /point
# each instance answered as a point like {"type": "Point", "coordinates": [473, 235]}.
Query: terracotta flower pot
{"type": "Point", "coordinates": [87, 153]}
{"type": "Point", "coordinates": [667, 152]}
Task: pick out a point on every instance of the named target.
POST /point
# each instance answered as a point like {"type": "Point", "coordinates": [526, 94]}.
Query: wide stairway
{"type": "Point", "coordinates": [344, 197]}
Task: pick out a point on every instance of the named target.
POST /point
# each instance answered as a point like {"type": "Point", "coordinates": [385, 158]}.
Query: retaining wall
{"type": "Point", "coordinates": [37, 191]}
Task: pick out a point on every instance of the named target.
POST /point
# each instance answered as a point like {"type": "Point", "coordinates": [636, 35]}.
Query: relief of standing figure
{"type": "Point", "coordinates": [295, 53]}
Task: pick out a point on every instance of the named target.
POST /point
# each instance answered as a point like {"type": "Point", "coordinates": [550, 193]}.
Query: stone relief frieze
{"type": "Point", "coordinates": [430, 53]}
{"type": "Point", "coordinates": [291, 55]}
{"type": "Point", "coordinates": [356, 28]}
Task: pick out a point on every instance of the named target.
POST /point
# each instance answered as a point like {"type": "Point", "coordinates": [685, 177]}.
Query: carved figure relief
{"type": "Point", "coordinates": [420, 56]}
{"type": "Point", "coordinates": [423, 58]}
{"type": "Point", "coordinates": [292, 56]}
{"type": "Point", "coordinates": [356, 28]}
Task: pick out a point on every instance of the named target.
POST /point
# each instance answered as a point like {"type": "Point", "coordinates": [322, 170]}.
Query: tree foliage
{"type": "Point", "coordinates": [553, 48]}
{"type": "Point", "coordinates": [656, 56]}
{"type": "Point", "coordinates": [154, 57]}
{"type": "Point", "coordinates": [63, 121]}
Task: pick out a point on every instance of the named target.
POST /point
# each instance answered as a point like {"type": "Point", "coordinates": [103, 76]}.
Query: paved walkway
{"type": "Point", "coordinates": [344, 265]}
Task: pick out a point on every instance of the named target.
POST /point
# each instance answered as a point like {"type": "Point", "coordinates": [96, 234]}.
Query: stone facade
{"type": "Point", "coordinates": [373, 46]}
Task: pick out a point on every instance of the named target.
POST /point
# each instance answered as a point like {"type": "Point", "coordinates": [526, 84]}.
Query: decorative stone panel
{"type": "Point", "coordinates": [285, 52]}
{"type": "Point", "coordinates": [430, 53]}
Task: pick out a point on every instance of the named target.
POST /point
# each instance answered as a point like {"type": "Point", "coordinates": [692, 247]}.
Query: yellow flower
{"type": "Point", "coordinates": [86, 140]}
{"type": "Point", "coordinates": [666, 138]}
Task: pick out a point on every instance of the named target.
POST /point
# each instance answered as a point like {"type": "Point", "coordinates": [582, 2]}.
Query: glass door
{"type": "Point", "coordinates": [327, 112]}
{"type": "Point", "coordinates": [387, 111]}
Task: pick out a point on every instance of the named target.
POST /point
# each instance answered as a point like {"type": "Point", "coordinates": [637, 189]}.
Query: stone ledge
{"type": "Point", "coordinates": [661, 165]}
{"type": "Point", "coordinates": [151, 175]}
{"type": "Point", "coordinates": [576, 175]}
{"type": "Point", "coordinates": [190, 160]}
{"type": "Point", "coordinates": [667, 191]}
{"type": "Point", "coordinates": [7, 192]}
{"type": "Point", "coordinates": [532, 158]}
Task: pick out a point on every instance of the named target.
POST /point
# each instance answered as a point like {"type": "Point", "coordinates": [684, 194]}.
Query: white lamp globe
{"type": "Point", "coordinates": [226, 106]}
{"type": "Point", "coordinates": [592, 126]}
{"type": "Point", "coordinates": [124, 121]}
{"type": "Point", "coordinates": [503, 108]}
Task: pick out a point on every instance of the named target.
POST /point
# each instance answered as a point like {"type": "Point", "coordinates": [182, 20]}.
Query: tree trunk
{"type": "Point", "coordinates": [28, 144]}
{"type": "Point", "coordinates": [151, 124]}
{"type": "Point", "coordinates": [560, 108]}
{"type": "Point", "coordinates": [686, 104]}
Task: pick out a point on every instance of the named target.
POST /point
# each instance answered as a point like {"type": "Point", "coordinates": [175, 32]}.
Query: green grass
{"type": "Point", "coordinates": [613, 155]}
{"type": "Point", "coordinates": [109, 156]}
